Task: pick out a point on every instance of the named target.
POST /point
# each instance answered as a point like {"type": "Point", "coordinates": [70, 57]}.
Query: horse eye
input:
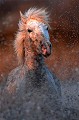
{"type": "Point", "coordinates": [29, 30]}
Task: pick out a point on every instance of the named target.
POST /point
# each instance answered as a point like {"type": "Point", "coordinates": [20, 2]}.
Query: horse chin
{"type": "Point", "coordinates": [46, 55]}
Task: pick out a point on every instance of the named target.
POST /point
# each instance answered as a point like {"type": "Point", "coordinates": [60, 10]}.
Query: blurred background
{"type": "Point", "coordinates": [64, 61]}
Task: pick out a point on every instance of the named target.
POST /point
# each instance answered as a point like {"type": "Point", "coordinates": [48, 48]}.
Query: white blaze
{"type": "Point", "coordinates": [44, 31]}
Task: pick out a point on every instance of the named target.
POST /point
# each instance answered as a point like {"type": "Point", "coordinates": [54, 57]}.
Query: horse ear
{"type": "Point", "coordinates": [23, 18]}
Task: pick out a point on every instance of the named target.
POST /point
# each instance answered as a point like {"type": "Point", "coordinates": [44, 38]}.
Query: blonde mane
{"type": "Point", "coordinates": [41, 15]}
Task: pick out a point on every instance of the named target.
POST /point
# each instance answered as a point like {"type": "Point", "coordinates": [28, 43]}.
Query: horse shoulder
{"type": "Point", "coordinates": [14, 79]}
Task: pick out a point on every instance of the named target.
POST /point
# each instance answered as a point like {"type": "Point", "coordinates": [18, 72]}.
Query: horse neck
{"type": "Point", "coordinates": [33, 61]}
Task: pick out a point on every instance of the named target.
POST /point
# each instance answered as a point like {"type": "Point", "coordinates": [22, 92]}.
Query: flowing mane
{"type": "Point", "coordinates": [40, 15]}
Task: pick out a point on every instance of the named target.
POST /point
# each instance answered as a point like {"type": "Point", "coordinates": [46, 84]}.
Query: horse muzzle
{"type": "Point", "coordinates": [46, 49]}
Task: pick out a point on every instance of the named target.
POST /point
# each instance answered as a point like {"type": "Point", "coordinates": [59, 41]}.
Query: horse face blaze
{"type": "Point", "coordinates": [46, 45]}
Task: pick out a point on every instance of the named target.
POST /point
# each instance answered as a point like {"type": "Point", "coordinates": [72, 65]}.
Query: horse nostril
{"type": "Point", "coordinates": [50, 45]}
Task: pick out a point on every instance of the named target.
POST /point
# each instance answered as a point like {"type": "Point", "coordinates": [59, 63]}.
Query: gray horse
{"type": "Point", "coordinates": [32, 92]}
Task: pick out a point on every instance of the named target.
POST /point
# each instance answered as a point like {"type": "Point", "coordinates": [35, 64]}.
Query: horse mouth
{"type": "Point", "coordinates": [46, 50]}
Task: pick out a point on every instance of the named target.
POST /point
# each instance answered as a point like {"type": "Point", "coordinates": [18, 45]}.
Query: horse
{"type": "Point", "coordinates": [32, 92]}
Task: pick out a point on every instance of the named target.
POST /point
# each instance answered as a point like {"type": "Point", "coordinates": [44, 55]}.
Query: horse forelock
{"type": "Point", "coordinates": [41, 15]}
